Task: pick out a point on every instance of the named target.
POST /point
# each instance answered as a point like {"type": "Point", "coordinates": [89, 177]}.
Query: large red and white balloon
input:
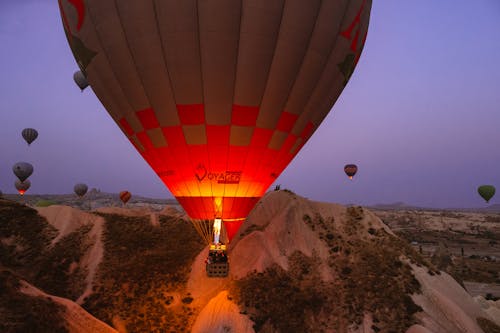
{"type": "Point", "coordinates": [218, 96]}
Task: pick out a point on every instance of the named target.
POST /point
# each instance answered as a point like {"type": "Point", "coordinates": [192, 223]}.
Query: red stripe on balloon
{"type": "Point", "coordinates": [145, 140]}
{"type": "Point", "coordinates": [356, 22]}
{"type": "Point", "coordinates": [191, 114]}
{"type": "Point", "coordinates": [147, 118]}
{"type": "Point", "coordinates": [306, 133]}
{"type": "Point", "coordinates": [232, 228]}
{"type": "Point", "coordinates": [126, 127]}
{"type": "Point", "coordinates": [286, 121]}
{"type": "Point", "coordinates": [218, 135]}
{"type": "Point", "coordinates": [174, 135]}
{"type": "Point", "coordinates": [64, 18]}
{"type": "Point", "coordinates": [244, 115]}
{"type": "Point", "coordinates": [261, 137]}
{"type": "Point", "coordinates": [80, 9]}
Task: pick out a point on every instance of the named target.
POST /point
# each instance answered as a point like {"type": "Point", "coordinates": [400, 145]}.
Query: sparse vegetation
{"type": "Point", "coordinates": [23, 313]}
{"type": "Point", "coordinates": [55, 274]}
{"type": "Point", "coordinates": [141, 280]}
{"type": "Point", "coordinates": [143, 267]}
{"type": "Point", "coordinates": [466, 251]}
{"type": "Point", "coordinates": [372, 276]}
{"type": "Point", "coordinates": [487, 325]}
{"type": "Point", "coordinates": [24, 235]}
{"type": "Point", "coordinates": [45, 203]}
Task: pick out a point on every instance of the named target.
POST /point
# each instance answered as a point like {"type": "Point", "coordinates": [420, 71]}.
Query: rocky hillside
{"type": "Point", "coordinates": [296, 266]}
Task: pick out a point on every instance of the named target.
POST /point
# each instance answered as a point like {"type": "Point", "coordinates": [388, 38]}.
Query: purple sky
{"type": "Point", "coordinates": [420, 116]}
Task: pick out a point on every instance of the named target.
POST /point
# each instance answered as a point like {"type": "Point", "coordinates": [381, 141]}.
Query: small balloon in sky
{"type": "Point", "coordinates": [22, 170]}
{"type": "Point", "coordinates": [22, 186]}
{"type": "Point", "coordinates": [80, 80]}
{"type": "Point", "coordinates": [350, 170]}
{"type": "Point", "coordinates": [486, 192]}
{"type": "Point", "coordinates": [125, 196]}
{"type": "Point", "coordinates": [80, 189]}
{"type": "Point", "coordinates": [29, 135]}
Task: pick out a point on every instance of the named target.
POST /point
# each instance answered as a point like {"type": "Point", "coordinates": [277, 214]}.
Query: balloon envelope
{"type": "Point", "coordinates": [80, 189]}
{"type": "Point", "coordinates": [22, 170]}
{"type": "Point", "coordinates": [22, 186]}
{"type": "Point", "coordinates": [486, 192]}
{"type": "Point", "coordinates": [217, 96]}
{"type": "Point", "coordinates": [29, 135]}
{"type": "Point", "coordinates": [125, 196]}
{"type": "Point", "coordinates": [350, 170]}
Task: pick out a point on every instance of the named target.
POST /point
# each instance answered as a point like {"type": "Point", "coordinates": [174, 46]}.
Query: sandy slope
{"type": "Point", "coordinates": [278, 230]}
{"type": "Point", "coordinates": [281, 231]}
{"type": "Point", "coordinates": [221, 315]}
{"type": "Point", "coordinates": [66, 220]}
{"type": "Point", "coordinates": [77, 319]}
{"type": "Point", "coordinates": [490, 307]}
{"type": "Point", "coordinates": [126, 211]}
{"type": "Point", "coordinates": [447, 306]}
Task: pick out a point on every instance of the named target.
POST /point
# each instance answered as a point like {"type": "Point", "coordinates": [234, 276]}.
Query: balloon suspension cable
{"type": "Point", "coordinates": [207, 230]}
{"type": "Point", "coordinates": [204, 229]}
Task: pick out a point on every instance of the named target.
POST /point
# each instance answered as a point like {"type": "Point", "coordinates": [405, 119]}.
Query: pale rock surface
{"type": "Point", "coordinates": [77, 319]}
{"type": "Point", "coordinates": [492, 308]}
{"type": "Point", "coordinates": [126, 211]}
{"type": "Point", "coordinates": [447, 306]}
{"type": "Point", "coordinates": [221, 315]}
{"type": "Point", "coordinates": [66, 220]}
{"type": "Point", "coordinates": [277, 231]}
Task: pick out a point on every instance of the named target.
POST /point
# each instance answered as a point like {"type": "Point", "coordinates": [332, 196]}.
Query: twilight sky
{"type": "Point", "coordinates": [420, 116]}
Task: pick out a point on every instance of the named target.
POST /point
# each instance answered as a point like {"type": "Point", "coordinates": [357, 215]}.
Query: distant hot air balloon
{"type": "Point", "coordinates": [486, 192]}
{"type": "Point", "coordinates": [29, 134]}
{"type": "Point", "coordinates": [22, 186]}
{"type": "Point", "coordinates": [350, 170]}
{"type": "Point", "coordinates": [125, 196]}
{"type": "Point", "coordinates": [80, 80]}
{"type": "Point", "coordinates": [217, 96]}
{"type": "Point", "coordinates": [22, 170]}
{"type": "Point", "coordinates": [1, 194]}
{"type": "Point", "coordinates": [80, 189]}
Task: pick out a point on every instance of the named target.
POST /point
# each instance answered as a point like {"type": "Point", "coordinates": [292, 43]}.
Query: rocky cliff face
{"type": "Point", "coordinates": [295, 266]}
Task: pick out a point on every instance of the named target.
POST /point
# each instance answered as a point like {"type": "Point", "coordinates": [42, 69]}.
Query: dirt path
{"type": "Point", "coordinates": [67, 220]}
{"type": "Point", "coordinates": [93, 257]}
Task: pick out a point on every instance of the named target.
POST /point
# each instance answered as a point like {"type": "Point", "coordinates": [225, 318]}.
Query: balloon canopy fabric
{"type": "Point", "coordinates": [29, 135]}
{"type": "Point", "coordinates": [22, 186]}
{"type": "Point", "coordinates": [486, 192]}
{"type": "Point", "coordinates": [350, 170]}
{"type": "Point", "coordinates": [22, 170]}
{"type": "Point", "coordinates": [217, 96]}
{"type": "Point", "coordinates": [125, 196]}
{"type": "Point", "coordinates": [80, 189]}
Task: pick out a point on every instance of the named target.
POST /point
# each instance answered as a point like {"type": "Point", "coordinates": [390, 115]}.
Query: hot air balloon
{"type": "Point", "coordinates": [80, 80]}
{"type": "Point", "coordinates": [217, 96]}
{"type": "Point", "coordinates": [22, 186]}
{"type": "Point", "coordinates": [350, 170]}
{"type": "Point", "coordinates": [29, 135]}
{"type": "Point", "coordinates": [80, 189]}
{"type": "Point", "coordinates": [486, 192]}
{"type": "Point", "coordinates": [125, 196]}
{"type": "Point", "coordinates": [22, 170]}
